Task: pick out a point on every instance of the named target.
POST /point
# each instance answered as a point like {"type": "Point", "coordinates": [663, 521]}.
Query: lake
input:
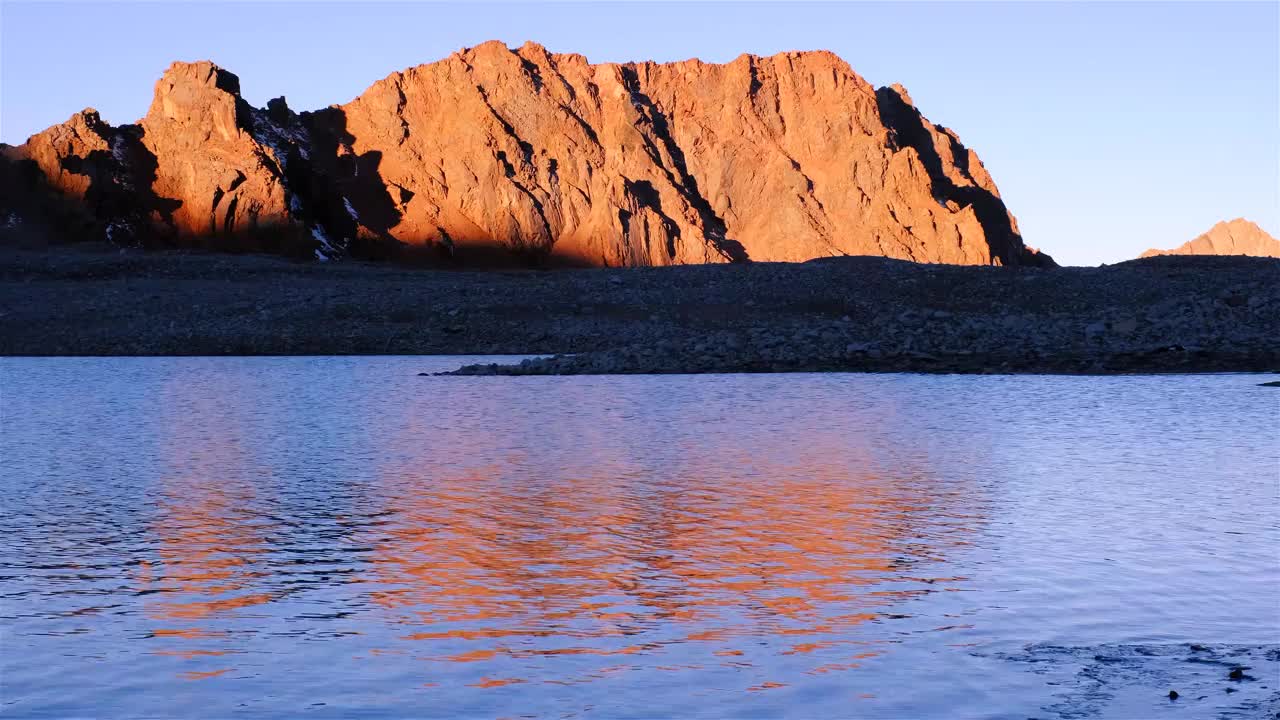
{"type": "Point", "coordinates": [338, 537]}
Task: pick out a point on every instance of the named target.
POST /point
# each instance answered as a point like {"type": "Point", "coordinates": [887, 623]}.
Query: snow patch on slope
{"type": "Point", "coordinates": [326, 249]}
{"type": "Point", "coordinates": [118, 231]}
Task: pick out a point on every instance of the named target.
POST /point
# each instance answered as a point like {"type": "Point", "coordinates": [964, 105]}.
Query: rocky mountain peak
{"type": "Point", "coordinates": [1228, 237]}
{"type": "Point", "coordinates": [496, 155]}
{"type": "Point", "coordinates": [202, 97]}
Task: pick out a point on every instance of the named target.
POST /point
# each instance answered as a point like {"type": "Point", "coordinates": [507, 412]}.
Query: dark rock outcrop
{"type": "Point", "coordinates": [494, 154]}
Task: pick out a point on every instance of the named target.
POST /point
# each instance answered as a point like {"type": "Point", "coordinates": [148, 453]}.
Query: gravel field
{"type": "Point", "coordinates": [1165, 314]}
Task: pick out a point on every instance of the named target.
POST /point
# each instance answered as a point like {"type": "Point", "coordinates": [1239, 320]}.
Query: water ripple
{"type": "Point", "coordinates": [206, 536]}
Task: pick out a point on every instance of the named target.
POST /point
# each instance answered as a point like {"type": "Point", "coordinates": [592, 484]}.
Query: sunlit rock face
{"type": "Point", "coordinates": [229, 181]}
{"type": "Point", "coordinates": [497, 155]}
{"type": "Point", "coordinates": [1236, 237]}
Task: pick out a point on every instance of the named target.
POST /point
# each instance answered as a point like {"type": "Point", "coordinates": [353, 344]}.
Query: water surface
{"type": "Point", "coordinates": [214, 537]}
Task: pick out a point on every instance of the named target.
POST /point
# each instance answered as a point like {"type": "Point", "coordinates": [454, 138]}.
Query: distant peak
{"type": "Point", "coordinates": [1227, 237]}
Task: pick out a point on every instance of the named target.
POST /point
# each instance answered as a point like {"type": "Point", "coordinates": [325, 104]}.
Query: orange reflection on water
{"type": "Point", "coordinates": [206, 554]}
{"type": "Point", "coordinates": [194, 675]}
{"type": "Point", "coordinates": [766, 686]}
{"type": "Point", "coordinates": [733, 555]}
{"type": "Point", "coordinates": [494, 561]}
{"type": "Point", "coordinates": [190, 633]}
{"type": "Point", "coordinates": [190, 654]}
{"type": "Point", "coordinates": [207, 533]}
{"type": "Point", "coordinates": [497, 682]}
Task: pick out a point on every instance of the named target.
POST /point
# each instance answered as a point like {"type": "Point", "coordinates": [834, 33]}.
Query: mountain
{"type": "Point", "coordinates": [1235, 237]}
{"type": "Point", "coordinates": [495, 155]}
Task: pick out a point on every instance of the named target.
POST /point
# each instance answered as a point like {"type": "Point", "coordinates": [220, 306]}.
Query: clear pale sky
{"type": "Point", "coordinates": [1109, 127]}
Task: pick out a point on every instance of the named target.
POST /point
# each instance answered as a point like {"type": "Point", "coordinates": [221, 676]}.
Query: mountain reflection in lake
{"type": "Point", "coordinates": [205, 536]}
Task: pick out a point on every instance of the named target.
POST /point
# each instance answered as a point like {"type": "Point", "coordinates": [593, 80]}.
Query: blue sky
{"type": "Point", "coordinates": [1109, 127]}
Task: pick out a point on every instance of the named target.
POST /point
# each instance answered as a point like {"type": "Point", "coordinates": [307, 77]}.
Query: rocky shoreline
{"type": "Point", "coordinates": [1165, 314]}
